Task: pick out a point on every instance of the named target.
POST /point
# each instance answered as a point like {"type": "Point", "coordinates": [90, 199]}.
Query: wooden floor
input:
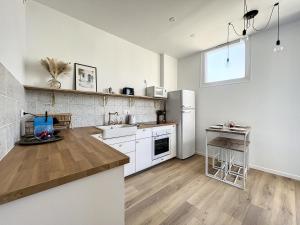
{"type": "Point", "coordinates": [178, 192]}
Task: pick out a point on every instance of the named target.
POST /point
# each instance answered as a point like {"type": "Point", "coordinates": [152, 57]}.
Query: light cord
{"type": "Point", "coordinates": [244, 14]}
{"type": "Point", "coordinates": [240, 35]}
{"type": "Point", "coordinates": [269, 20]}
{"type": "Point", "coordinates": [278, 27]}
{"type": "Point", "coordinates": [228, 27]}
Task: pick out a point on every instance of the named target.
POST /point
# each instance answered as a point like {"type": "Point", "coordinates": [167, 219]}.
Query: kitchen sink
{"type": "Point", "coordinates": [119, 130]}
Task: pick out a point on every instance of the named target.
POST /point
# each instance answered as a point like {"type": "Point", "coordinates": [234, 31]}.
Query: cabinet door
{"type": "Point", "coordinates": [125, 147]}
{"type": "Point", "coordinates": [173, 142]}
{"type": "Point", "coordinates": [129, 168]}
{"type": "Point", "coordinates": [143, 153]}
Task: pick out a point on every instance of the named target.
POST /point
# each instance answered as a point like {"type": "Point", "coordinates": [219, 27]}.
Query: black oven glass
{"type": "Point", "coordinates": [161, 146]}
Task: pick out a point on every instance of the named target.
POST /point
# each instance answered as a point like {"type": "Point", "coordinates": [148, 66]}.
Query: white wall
{"type": "Point", "coordinates": [269, 102]}
{"type": "Point", "coordinates": [94, 200]}
{"type": "Point", "coordinates": [168, 72]}
{"type": "Point", "coordinates": [119, 63]}
{"type": "Point", "coordinates": [12, 38]}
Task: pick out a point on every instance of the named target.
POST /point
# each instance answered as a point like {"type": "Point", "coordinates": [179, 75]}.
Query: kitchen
{"type": "Point", "coordinates": [149, 137]}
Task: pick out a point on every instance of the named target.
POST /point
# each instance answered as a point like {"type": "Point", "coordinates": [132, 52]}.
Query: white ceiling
{"type": "Point", "coordinates": [146, 22]}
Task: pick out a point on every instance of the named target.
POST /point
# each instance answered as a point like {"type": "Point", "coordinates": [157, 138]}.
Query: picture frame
{"type": "Point", "coordinates": [85, 77]}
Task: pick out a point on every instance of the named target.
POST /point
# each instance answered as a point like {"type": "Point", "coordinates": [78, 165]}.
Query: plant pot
{"type": "Point", "coordinates": [54, 83]}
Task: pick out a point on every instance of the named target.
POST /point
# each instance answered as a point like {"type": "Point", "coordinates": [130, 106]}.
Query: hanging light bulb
{"type": "Point", "coordinates": [227, 59]}
{"type": "Point", "coordinates": [245, 35]}
{"type": "Point", "coordinates": [278, 47]}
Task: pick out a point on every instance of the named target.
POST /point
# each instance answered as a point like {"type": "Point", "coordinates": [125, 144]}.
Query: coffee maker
{"type": "Point", "coordinates": [161, 116]}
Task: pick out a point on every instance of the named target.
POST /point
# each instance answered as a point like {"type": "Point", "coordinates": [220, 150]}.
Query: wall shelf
{"type": "Point", "coordinates": [28, 87]}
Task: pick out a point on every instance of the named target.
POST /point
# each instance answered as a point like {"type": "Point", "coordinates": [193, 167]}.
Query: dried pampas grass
{"type": "Point", "coordinates": [55, 67]}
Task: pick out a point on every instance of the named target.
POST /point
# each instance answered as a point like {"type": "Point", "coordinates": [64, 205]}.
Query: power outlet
{"type": "Point", "coordinates": [22, 113]}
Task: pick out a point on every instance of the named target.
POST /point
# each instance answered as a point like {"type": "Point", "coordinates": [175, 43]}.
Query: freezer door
{"type": "Point", "coordinates": [187, 147]}
{"type": "Point", "coordinates": [188, 99]}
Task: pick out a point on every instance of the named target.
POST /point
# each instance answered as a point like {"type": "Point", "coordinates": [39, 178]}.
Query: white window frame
{"type": "Point", "coordinates": [247, 77]}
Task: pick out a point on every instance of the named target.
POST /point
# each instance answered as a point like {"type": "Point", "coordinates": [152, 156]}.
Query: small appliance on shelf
{"type": "Point", "coordinates": [157, 92]}
{"type": "Point", "coordinates": [128, 91]}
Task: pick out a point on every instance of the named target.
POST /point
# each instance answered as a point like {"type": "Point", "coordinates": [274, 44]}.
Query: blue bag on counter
{"type": "Point", "coordinates": [43, 127]}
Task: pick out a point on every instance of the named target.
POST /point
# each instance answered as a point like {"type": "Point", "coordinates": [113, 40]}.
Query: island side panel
{"type": "Point", "coordinates": [93, 200]}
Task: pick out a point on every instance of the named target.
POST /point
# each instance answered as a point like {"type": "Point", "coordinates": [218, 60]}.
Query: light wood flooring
{"type": "Point", "coordinates": [178, 192]}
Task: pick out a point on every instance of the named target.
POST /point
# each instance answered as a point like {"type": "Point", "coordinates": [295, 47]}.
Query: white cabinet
{"type": "Point", "coordinates": [160, 160]}
{"type": "Point", "coordinates": [125, 147]}
{"type": "Point", "coordinates": [139, 147]}
{"type": "Point", "coordinates": [143, 153]}
{"type": "Point", "coordinates": [112, 141]}
{"type": "Point", "coordinates": [128, 148]}
{"type": "Point", "coordinates": [173, 142]}
{"type": "Point", "coordinates": [129, 168]}
{"type": "Point", "coordinates": [143, 133]}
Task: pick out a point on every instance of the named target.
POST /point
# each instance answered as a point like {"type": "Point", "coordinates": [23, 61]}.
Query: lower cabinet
{"type": "Point", "coordinates": [161, 159]}
{"type": "Point", "coordinates": [128, 148]}
{"type": "Point", "coordinates": [139, 149]}
{"type": "Point", "coordinates": [129, 168]}
{"type": "Point", "coordinates": [143, 153]}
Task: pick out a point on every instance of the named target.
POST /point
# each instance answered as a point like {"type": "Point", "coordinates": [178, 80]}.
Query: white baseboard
{"type": "Point", "coordinates": [267, 170]}
{"type": "Point", "coordinates": [276, 172]}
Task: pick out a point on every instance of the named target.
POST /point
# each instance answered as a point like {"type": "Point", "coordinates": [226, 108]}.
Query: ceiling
{"type": "Point", "coordinates": [200, 24]}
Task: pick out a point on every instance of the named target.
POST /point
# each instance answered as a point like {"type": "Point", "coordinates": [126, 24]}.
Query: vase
{"type": "Point", "coordinates": [54, 83]}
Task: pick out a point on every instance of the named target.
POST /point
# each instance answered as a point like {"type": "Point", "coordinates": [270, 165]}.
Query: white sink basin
{"type": "Point", "coordinates": [112, 131]}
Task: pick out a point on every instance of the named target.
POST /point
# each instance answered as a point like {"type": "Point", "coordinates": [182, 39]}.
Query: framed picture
{"type": "Point", "coordinates": [85, 77]}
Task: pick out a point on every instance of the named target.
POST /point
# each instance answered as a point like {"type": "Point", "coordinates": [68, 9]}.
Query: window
{"type": "Point", "coordinates": [217, 70]}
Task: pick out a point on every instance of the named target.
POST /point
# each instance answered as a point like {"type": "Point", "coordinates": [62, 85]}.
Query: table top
{"type": "Point", "coordinates": [228, 130]}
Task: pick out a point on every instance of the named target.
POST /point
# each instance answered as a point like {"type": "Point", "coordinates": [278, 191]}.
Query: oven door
{"type": "Point", "coordinates": [161, 146]}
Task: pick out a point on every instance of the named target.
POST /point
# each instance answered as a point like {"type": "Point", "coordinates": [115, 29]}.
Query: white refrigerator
{"type": "Point", "coordinates": [181, 109]}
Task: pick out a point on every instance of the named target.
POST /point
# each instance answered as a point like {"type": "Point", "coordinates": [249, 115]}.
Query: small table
{"type": "Point", "coordinates": [229, 160]}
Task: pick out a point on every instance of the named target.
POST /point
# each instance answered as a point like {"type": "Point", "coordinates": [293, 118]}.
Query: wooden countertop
{"type": "Point", "coordinates": [154, 124]}
{"type": "Point", "coordinates": [26, 170]}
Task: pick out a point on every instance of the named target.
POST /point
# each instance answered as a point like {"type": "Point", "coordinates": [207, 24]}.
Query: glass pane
{"type": "Point", "coordinates": [161, 146]}
{"type": "Point", "coordinates": [218, 69]}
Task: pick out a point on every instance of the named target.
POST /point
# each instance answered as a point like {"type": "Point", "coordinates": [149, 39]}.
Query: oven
{"type": "Point", "coordinates": [161, 144]}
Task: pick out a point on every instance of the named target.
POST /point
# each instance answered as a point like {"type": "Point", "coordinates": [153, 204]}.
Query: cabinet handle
{"type": "Point", "coordinates": [137, 142]}
{"type": "Point", "coordinates": [120, 145]}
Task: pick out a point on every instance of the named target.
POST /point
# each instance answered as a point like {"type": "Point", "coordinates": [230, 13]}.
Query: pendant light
{"type": "Point", "coordinates": [278, 47]}
{"type": "Point", "coordinates": [249, 21]}
{"type": "Point", "coordinates": [228, 29]}
{"type": "Point", "coordinates": [245, 36]}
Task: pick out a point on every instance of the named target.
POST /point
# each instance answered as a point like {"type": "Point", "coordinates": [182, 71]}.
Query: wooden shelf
{"type": "Point", "coordinates": [228, 143]}
{"type": "Point", "coordinates": [28, 87]}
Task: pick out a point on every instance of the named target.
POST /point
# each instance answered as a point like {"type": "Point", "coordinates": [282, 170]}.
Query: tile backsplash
{"type": "Point", "coordinates": [12, 100]}
{"type": "Point", "coordinates": [90, 110]}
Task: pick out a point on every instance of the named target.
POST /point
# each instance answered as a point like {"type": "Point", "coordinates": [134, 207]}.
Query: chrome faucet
{"type": "Point", "coordinates": [110, 122]}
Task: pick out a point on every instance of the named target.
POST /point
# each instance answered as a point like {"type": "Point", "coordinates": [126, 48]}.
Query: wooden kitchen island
{"type": "Point", "coordinates": [76, 181]}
